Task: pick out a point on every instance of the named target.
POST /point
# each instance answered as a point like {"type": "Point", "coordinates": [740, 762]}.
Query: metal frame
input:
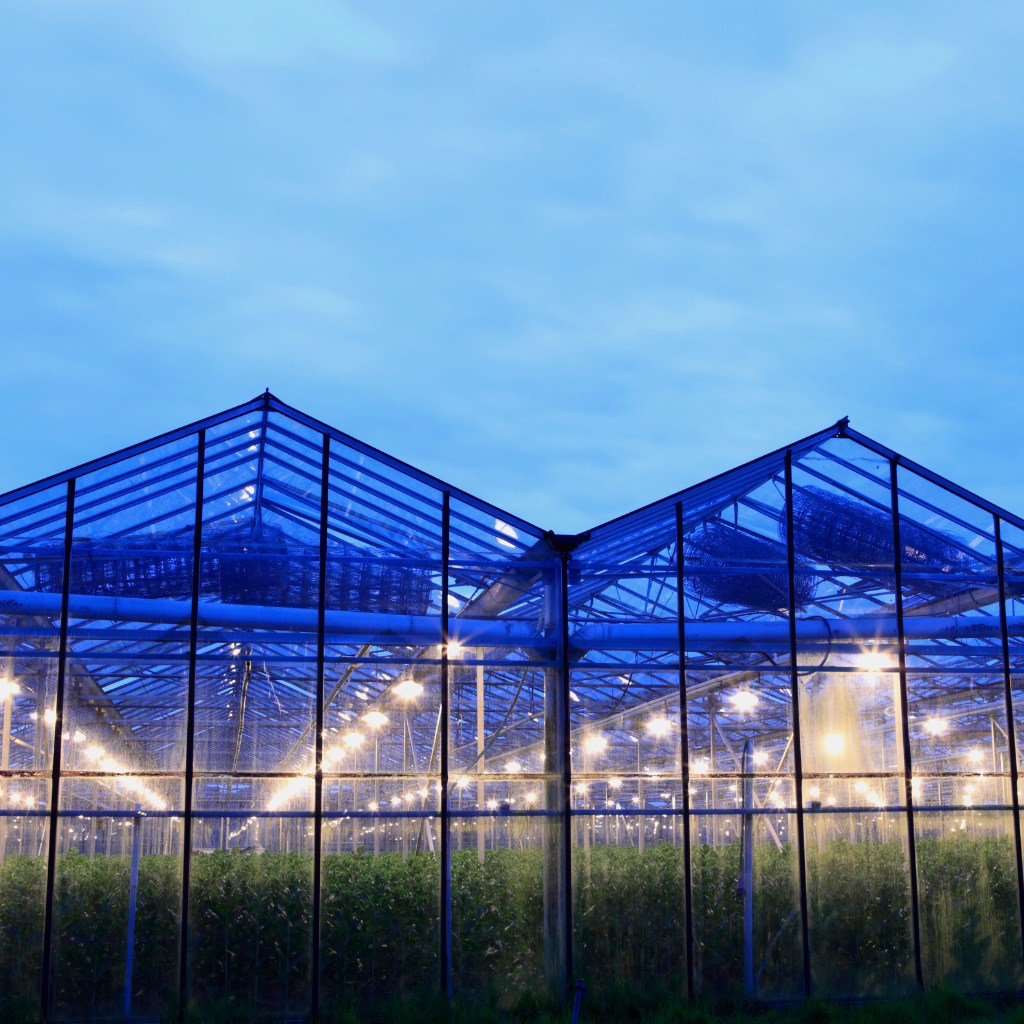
{"type": "Point", "coordinates": [667, 523]}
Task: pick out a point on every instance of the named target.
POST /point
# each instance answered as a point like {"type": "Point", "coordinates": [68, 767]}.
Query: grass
{"type": "Point", "coordinates": [623, 1005]}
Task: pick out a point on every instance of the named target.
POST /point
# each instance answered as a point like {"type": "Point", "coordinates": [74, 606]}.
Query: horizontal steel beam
{"type": "Point", "coordinates": [385, 629]}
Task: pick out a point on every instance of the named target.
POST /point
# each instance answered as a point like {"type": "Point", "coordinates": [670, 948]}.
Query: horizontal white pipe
{"type": "Point", "coordinates": [424, 630]}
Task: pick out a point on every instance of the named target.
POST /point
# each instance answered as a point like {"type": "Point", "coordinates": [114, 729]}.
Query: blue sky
{"type": "Point", "coordinates": [569, 257]}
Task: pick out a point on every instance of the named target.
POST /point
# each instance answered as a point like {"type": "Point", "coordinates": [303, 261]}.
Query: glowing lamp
{"type": "Point", "coordinates": [408, 688]}
{"type": "Point", "coordinates": [872, 661]}
{"type": "Point", "coordinates": [744, 700]}
{"type": "Point", "coordinates": [375, 719]}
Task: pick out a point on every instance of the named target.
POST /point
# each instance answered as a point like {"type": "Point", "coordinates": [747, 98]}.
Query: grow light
{"type": "Point", "coordinates": [744, 700]}
{"type": "Point", "coordinates": [409, 688]}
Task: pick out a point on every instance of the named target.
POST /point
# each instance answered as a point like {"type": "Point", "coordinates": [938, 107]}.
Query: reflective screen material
{"type": "Point", "coordinates": [291, 727]}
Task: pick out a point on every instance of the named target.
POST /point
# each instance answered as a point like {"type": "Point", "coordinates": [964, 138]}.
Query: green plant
{"type": "Point", "coordinates": [250, 921]}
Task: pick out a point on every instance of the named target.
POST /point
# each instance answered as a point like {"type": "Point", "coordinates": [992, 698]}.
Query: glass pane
{"type": "Point", "coordinates": [851, 722]}
{"type": "Point", "coordinates": [746, 900]}
{"type": "Point", "coordinates": [505, 757]}
{"type": "Point", "coordinates": [117, 889]}
{"type": "Point", "coordinates": [736, 596]}
{"type": "Point", "coordinates": [1013, 569]}
{"type": "Point", "coordinates": [966, 865]}
{"type": "Point", "coordinates": [250, 903]}
{"type": "Point", "coordinates": [628, 865]}
{"type": "Point", "coordinates": [967, 882]}
{"type": "Point", "coordinates": [31, 581]}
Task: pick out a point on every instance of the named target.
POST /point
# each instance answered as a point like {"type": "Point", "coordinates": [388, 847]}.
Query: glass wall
{"type": "Point", "coordinates": [287, 723]}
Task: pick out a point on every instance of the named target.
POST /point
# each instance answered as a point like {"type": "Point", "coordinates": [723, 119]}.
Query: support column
{"type": "Point", "coordinates": [480, 789]}
{"type": "Point", "coordinates": [745, 883]}
{"type": "Point", "coordinates": [907, 766]}
{"type": "Point", "coordinates": [1011, 732]}
{"type": "Point", "coordinates": [444, 718]}
{"type": "Point", "coordinates": [555, 881]}
{"type": "Point", "coordinates": [9, 686]}
{"type": "Point", "coordinates": [798, 766]}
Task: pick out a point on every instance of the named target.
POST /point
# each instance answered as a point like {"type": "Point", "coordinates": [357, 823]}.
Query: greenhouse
{"type": "Point", "coordinates": [287, 722]}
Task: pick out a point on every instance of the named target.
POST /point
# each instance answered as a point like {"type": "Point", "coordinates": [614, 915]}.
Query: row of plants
{"type": "Point", "coordinates": [251, 922]}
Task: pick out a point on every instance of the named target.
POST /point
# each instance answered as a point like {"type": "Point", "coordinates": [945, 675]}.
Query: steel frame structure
{"type": "Point", "coordinates": [257, 633]}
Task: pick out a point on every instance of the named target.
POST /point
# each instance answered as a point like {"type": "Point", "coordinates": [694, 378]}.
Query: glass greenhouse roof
{"type": "Point", "coordinates": [258, 634]}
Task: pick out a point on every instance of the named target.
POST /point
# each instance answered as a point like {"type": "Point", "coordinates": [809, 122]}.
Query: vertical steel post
{"type": "Point", "coordinates": [318, 744]}
{"type": "Point", "coordinates": [908, 767]}
{"type": "Point", "coordinates": [480, 794]}
{"type": "Point", "coordinates": [563, 612]}
{"type": "Point", "coordinates": [446, 849]}
{"type": "Point", "coordinates": [58, 728]}
{"type": "Point", "coordinates": [1011, 731]}
{"type": "Point", "coordinates": [684, 751]}
{"type": "Point", "coordinates": [133, 895]}
{"type": "Point", "coordinates": [798, 764]}
{"type": "Point", "coordinates": [746, 879]}
{"type": "Point", "coordinates": [5, 754]}
{"type": "Point", "coordinates": [190, 722]}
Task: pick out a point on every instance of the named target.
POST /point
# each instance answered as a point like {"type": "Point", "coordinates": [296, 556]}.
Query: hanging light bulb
{"type": "Point", "coordinates": [872, 661]}
{"type": "Point", "coordinates": [744, 700]}
{"type": "Point", "coordinates": [834, 743]}
{"type": "Point", "coordinates": [375, 719]}
{"type": "Point", "coordinates": [408, 688]}
{"type": "Point", "coordinates": [595, 744]}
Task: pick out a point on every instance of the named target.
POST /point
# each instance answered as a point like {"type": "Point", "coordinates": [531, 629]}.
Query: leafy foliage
{"type": "Point", "coordinates": [251, 916]}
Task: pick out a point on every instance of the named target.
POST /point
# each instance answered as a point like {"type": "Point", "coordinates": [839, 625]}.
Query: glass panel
{"type": "Point", "coordinates": [966, 865]}
{"type": "Point", "coordinates": [250, 903]}
{"type": "Point", "coordinates": [24, 839]}
{"type": "Point", "coordinates": [1013, 570]}
{"type": "Point", "coordinates": [118, 888]}
{"type": "Point", "coordinates": [379, 916]}
{"type": "Point", "coordinates": [628, 866]}
{"type": "Point", "coordinates": [504, 767]}
{"type": "Point", "coordinates": [858, 889]}
{"type": "Point", "coordinates": [746, 898]}
{"type": "Point", "coordinates": [736, 590]}
{"type": "Point", "coordinates": [850, 717]}
{"type": "Point", "coordinates": [967, 883]}
{"type": "Point", "coordinates": [31, 581]}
